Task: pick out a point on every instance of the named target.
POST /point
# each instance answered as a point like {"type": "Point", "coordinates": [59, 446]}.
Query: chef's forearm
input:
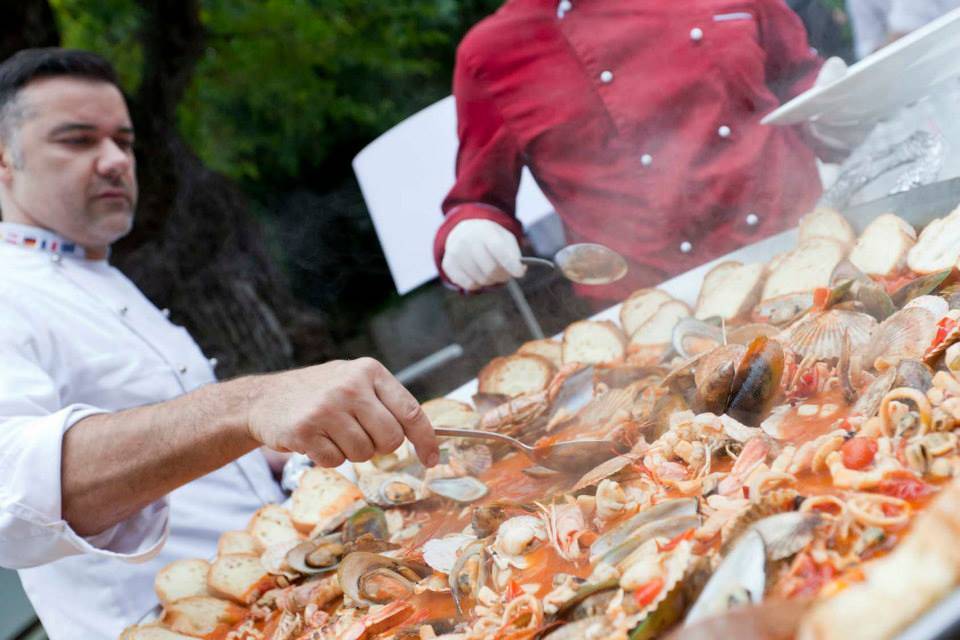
{"type": "Point", "coordinates": [115, 464]}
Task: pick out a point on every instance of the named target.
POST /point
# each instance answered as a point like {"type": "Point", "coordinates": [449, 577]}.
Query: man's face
{"type": "Point", "coordinates": [70, 166]}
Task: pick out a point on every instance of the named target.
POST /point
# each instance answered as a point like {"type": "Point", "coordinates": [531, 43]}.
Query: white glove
{"type": "Point", "coordinates": [839, 135]}
{"type": "Point", "coordinates": [481, 253]}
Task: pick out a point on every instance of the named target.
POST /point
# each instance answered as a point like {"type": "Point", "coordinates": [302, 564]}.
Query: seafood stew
{"type": "Point", "coordinates": [797, 451]}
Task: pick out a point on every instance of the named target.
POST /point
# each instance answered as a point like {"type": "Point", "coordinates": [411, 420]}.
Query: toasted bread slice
{"type": "Point", "coordinates": [201, 615]}
{"type": "Point", "coordinates": [324, 498]}
{"type": "Point", "coordinates": [272, 524]}
{"type": "Point", "coordinates": [182, 579]}
{"type": "Point", "coordinates": [593, 341]}
{"type": "Point", "coordinates": [938, 246]}
{"type": "Point", "coordinates": [515, 375]}
{"type": "Point", "coordinates": [730, 290]}
{"type": "Point", "coordinates": [805, 268]}
{"type": "Point", "coordinates": [152, 632]}
{"type": "Point", "coordinates": [639, 307]}
{"type": "Point", "coordinates": [240, 577]}
{"type": "Point", "coordinates": [552, 350]}
{"type": "Point", "coordinates": [444, 412]}
{"type": "Point", "coordinates": [883, 247]}
{"type": "Point", "coordinates": [658, 330]}
{"type": "Point", "coordinates": [824, 222]}
{"type": "Point", "coordinates": [237, 542]}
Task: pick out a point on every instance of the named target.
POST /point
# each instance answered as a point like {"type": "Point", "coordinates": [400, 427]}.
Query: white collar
{"type": "Point", "coordinates": [39, 239]}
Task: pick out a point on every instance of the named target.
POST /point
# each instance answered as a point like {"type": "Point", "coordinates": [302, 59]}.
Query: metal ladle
{"type": "Point", "coordinates": [585, 263]}
{"type": "Point", "coordinates": [574, 456]}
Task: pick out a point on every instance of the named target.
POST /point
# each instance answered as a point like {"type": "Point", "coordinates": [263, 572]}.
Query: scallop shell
{"type": "Point", "coordinates": [905, 334]}
{"type": "Point", "coordinates": [934, 304]}
{"type": "Point", "coordinates": [820, 335]}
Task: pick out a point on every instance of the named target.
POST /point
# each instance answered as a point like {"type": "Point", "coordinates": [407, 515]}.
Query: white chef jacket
{"type": "Point", "coordinates": [78, 338]}
{"type": "Point", "coordinates": [874, 20]}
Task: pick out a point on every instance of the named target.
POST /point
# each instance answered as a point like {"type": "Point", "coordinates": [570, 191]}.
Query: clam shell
{"type": "Point", "coordinates": [441, 553]}
{"type": "Point", "coordinates": [820, 335]}
{"type": "Point", "coordinates": [905, 334]}
{"type": "Point", "coordinates": [462, 489]}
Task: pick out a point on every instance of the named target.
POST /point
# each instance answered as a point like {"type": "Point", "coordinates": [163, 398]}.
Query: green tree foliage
{"type": "Point", "coordinates": [288, 89]}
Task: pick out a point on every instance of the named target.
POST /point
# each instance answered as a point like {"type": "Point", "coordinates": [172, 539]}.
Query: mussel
{"type": "Point", "coordinates": [924, 285]}
{"type": "Point", "coordinates": [618, 542]}
{"type": "Point", "coordinates": [367, 521]}
{"type": "Point", "coordinates": [316, 556]}
{"type": "Point", "coordinates": [714, 378]}
{"type": "Point", "coordinates": [391, 489]}
{"type": "Point", "coordinates": [486, 519]}
{"type": "Point", "coordinates": [369, 578]}
{"type": "Point", "coordinates": [469, 573]}
{"type": "Point", "coordinates": [757, 381]}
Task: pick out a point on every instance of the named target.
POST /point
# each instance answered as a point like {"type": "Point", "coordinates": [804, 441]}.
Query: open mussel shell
{"type": "Point", "coordinates": [367, 521]}
{"type": "Point", "coordinates": [740, 578]}
{"type": "Point", "coordinates": [463, 489]}
{"type": "Point", "coordinates": [820, 335]}
{"type": "Point", "coordinates": [924, 285]}
{"type": "Point", "coordinates": [569, 609]}
{"type": "Point", "coordinates": [316, 556]}
{"type": "Point", "coordinates": [676, 515]}
{"type": "Point", "coordinates": [469, 572]}
{"type": "Point", "coordinates": [757, 381]}
{"type": "Point", "coordinates": [784, 534]}
{"type": "Point", "coordinates": [370, 578]}
{"type": "Point", "coordinates": [391, 489]}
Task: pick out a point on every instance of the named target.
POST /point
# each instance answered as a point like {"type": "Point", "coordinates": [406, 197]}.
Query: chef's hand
{"type": "Point", "coordinates": [838, 135]}
{"type": "Point", "coordinates": [338, 410]}
{"type": "Point", "coordinates": [481, 253]}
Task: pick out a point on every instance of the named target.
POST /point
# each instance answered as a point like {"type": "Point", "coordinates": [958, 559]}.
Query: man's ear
{"type": "Point", "coordinates": [6, 162]}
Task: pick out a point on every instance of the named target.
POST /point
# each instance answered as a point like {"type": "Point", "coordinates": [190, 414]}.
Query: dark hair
{"type": "Point", "coordinates": [28, 65]}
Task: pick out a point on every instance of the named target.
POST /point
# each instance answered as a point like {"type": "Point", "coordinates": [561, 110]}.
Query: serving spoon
{"type": "Point", "coordinates": [573, 456]}
{"type": "Point", "coordinates": [585, 263]}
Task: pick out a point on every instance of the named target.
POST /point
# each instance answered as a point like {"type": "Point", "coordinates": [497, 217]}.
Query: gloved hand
{"type": "Point", "coordinates": [838, 135]}
{"type": "Point", "coordinates": [481, 253]}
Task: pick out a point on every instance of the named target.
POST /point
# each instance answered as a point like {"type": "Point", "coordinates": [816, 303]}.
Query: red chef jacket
{"type": "Point", "coordinates": [640, 120]}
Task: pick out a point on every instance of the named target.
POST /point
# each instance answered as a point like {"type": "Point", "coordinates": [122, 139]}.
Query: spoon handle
{"type": "Point", "coordinates": [540, 262]}
{"type": "Point", "coordinates": [483, 435]}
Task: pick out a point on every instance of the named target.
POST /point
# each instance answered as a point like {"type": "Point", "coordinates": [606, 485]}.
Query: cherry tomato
{"type": "Point", "coordinates": [858, 452]}
{"type": "Point", "coordinates": [513, 590]}
{"type": "Point", "coordinates": [647, 592]}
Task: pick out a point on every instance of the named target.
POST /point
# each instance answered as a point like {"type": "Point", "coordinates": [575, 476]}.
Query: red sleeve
{"type": "Point", "coordinates": [488, 162]}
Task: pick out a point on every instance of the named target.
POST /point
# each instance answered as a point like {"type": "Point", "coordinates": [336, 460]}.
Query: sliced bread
{"type": "Point", "coordinates": [592, 342]}
{"type": "Point", "coordinates": [324, 498]}
{"type": "Point", "coordinates": [824, 222]}
{"type": "Point", "coordinates": [552, 350]}
{"type": "Point", "coordinates": [515, 375]}
{"type": "Point", "coordinates": [938, 246]}
{"type": "Point", "coordinates": [152, 632]}
{"type": "Point", "coordinates": [240, 577]}
{"type": "Point", "coordinates": [883, 246]}
{"type": "Point", "coordinates": [639, 307]}
{"type": "Point", "coordinates": [181, 579]}
{"type": "Point", "coordinates": [201, 615]}
{"type": "Point", "coordinates": [271, 525]}
{"type": "Point", "coordinates": [444, 412]}
{"type": "Point", "coordinates": [730, 290]}
{"type": "Point", "coordinates": [658, 330]}
{"type": "Point", "coordinates": [805, 268]}
{"type": "Point", "coordinates": [237, 542]}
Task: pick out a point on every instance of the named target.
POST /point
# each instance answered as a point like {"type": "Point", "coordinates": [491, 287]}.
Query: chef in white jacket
{"type": "Point", "coordinates": [119, 452]}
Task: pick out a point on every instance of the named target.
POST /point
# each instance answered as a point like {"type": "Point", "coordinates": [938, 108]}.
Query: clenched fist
{"type": "Point", "coordinates": [345, 409]}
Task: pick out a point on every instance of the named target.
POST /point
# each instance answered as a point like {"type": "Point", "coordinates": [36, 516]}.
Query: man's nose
{"type": "Point", "coordinates": [113, 159]}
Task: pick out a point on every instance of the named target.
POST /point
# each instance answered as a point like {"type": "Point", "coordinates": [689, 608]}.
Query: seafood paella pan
{"type": "Point", "coordinates": [784, 463]}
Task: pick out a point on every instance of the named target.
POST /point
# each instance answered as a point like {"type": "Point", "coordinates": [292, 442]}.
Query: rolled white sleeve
{"type": "Point", "coordinates": [32, 426]}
